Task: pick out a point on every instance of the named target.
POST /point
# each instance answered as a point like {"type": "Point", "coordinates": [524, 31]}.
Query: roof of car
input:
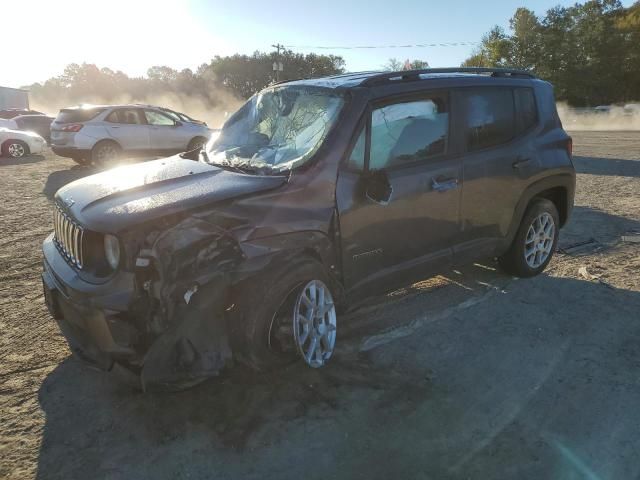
{"type": "Point", "coordinates": [42, 115]}
{"type": "Point", "coordinates": [372, 78]}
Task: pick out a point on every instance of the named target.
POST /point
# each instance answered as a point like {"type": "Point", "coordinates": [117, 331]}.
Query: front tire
{"type": "Point", "coordinates": [195, 143]}
{"type": "Point", "coordinates": [15, 149]}
{"type": "Point", "coordinates": [535, 240]}
{"type": "Point", "coordinates": [270, 331]}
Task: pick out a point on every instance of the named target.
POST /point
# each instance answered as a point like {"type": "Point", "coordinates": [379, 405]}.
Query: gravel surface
{"type": "Point", "coordinates": [471, 374]}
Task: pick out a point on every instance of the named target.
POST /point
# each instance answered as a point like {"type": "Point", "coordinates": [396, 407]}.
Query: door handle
{"type": "Point", "coordinates": [444, 185]}
{"type": "Point", "coordinates": [521, 162]}
{"type": "Point", "coordinates": [114, 126]}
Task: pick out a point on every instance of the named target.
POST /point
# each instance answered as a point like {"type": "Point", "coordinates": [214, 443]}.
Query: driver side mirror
{"type": "Point", "coordinates": [377, 187]}
{"type": "Point", "coordinates": [177, 123]}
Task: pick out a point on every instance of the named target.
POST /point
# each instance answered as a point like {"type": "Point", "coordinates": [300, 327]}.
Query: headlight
{"type": "Point", "coordinates": [112, 250]}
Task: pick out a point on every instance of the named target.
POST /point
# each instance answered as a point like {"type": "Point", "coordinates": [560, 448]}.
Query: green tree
{"type": "Point", "coordinates": [590, 51]}
{"type": "Point", "coordinates": [526, 41]}
{"type": "Point", "coordinates": [494, 50]}
{"type": "Point", "coordinates": [395, 65]}
{"type": "Point", "coordinates": [246, 74]}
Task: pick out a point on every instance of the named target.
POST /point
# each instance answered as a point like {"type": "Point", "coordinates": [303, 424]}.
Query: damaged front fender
{"type": "Point", "coordinates": [186, 279]}
{"type": "Point", "coordinates": [182, 282]}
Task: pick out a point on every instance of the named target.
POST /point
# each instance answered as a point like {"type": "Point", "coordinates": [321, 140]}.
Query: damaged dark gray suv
{"type": "Point", "coordinates": [316, 192]}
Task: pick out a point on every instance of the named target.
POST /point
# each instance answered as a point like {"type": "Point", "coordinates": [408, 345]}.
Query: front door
{"type": "Point", "coordinates": [416, 226]}
{"type": "Point", "coordinates": [164, 133]}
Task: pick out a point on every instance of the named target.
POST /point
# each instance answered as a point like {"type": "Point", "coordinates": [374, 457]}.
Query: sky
{"type": "Point", "coordinates": [132, 35]}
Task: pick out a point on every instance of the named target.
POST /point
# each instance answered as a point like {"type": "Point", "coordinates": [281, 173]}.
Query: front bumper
{"type": "Point", "coordinates": [36, 147]}
{"type": "Point", "coordinates": [98, 323]}
{"type": "Point", "coordinates": [92, 318]}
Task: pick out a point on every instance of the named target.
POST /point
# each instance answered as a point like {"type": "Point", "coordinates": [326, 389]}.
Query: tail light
{"type": "Point", "coordinates": [75, 127]}
{"type": "Point", "coordinates": [570, 147]}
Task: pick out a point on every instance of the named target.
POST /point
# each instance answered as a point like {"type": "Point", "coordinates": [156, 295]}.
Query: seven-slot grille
{"type": "Point", "coordinates": [68, 237]}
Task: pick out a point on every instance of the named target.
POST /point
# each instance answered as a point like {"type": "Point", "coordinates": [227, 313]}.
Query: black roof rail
{"type": "Point", "coordinates": [411, 75]}
{"type": "Point", "coordinates": [339, 75]}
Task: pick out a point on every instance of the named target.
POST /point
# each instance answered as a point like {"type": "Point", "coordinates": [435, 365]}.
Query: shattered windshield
{"type": "Point", "coordinates": [276, 130]}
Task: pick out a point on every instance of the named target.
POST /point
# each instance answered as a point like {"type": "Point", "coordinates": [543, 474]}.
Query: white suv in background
{"type": "Point", "coordinates": [101, 134]}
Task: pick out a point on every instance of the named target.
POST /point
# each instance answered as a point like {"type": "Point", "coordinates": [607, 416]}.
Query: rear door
{"type": "Point", "coordinates": [127, 127]}
{"type": "Point", "coordinates": [408, 139]}
{"type": "Point", "coordinates": [164, 132]}
{"type": "Point", "coordinates": [500, 155]}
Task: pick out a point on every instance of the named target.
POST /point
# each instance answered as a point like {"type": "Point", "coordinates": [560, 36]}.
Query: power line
{"type": "Point", "coordinates": [354, 47]}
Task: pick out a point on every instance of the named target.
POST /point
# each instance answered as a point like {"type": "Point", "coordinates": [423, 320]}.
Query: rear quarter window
{"type": "Point", "coordinates": [526, 110]}
{"type": "Point", "coordinates": [489, 117]}
{"type": "Point", "coordinates": [76, 115]}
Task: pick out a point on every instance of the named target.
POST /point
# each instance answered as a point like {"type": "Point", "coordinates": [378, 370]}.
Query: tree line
{"type": "Point", "coordinates": [590, 51]}
{"type": "Point", "coordinates": [222, 81]}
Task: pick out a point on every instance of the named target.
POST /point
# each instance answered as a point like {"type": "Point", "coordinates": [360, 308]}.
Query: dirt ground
{"type": "Point", "coordinates": [471, 374]}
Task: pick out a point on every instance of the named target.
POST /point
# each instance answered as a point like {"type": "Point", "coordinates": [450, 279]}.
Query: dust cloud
{"type": "Point", "coordinates": [609, 118]}
{"type": "Point", "coordinates": [196, 106]}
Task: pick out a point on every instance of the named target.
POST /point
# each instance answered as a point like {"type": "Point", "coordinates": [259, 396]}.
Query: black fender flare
{"type": "Point", "coordinates": [563, 180]}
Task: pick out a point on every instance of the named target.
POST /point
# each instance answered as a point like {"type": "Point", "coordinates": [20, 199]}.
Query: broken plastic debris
{"type": "Point", "coordinates": [142, 262]}
{"type": "Point", "coordinates": [189, 293]}
{"type": "Point", "coordinates": [582, 271]}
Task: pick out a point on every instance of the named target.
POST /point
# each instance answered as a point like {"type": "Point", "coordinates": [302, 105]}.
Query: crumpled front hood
{"type": "Point", "coordinates": [116, 199]}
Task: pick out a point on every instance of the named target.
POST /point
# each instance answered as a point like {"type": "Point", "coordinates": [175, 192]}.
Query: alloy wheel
{"type": "Point", "coordinates": [106, 153]}
{"type": "Point", "coordinates": [16, 150]}
{"type": "Point", "coordinates": [314, 323]}
{"type": "Point", "coordinates": [539, 240]}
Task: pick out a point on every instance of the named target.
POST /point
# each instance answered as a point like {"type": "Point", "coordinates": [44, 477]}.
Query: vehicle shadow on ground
{"type": "Point", "coordinates": [603, 228]}
{"type": "Point", "coordinates": [8, 161]}
{"type": "Point", "coordinates": [60, 178]}
{"type": "Point", "coordinates": [466, 374]}
{"type": "Point", "coordinates": [525, 382]}
{"type": "Point", "coordinates": [607, 166]}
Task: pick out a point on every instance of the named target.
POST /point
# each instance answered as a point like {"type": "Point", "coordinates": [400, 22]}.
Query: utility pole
{"type": "Point", "coordinates": [277, 65]}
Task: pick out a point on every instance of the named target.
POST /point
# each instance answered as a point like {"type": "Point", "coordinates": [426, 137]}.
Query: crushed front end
{"type": "Point", "coordinates": [160, 319]}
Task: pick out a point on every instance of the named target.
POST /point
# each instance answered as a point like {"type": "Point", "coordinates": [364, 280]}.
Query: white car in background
{"type": "Point", "coordinates": [632, 109]}
{"type": "Point", "coordinates": [17, 144]}
{"type": "Point", "coordinates": [103, 133]}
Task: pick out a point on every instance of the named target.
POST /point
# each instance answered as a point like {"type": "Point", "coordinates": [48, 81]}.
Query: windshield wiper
{"type": "Point", "coordinates": [226, 166]}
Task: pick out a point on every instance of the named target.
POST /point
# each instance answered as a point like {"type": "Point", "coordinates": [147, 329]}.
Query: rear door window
{"type": "Point", "coordinates": [129, 116]}
{"type": "Point", "coordinates": [526, 111]}
{"type": "Point", "coordinates": [408, 132]}
{"type": "Point", "coordinates": [489, 116]}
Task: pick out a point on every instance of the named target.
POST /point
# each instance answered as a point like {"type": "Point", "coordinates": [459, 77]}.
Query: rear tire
{"type": "Point", "coordinates": [15, 149]}
{"type": "Point", "coordinates": [535, 241]}
{"type": "Point", "coordinates": [264, 334]}
{"type": "Point", "coordinates": [106, 153]}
